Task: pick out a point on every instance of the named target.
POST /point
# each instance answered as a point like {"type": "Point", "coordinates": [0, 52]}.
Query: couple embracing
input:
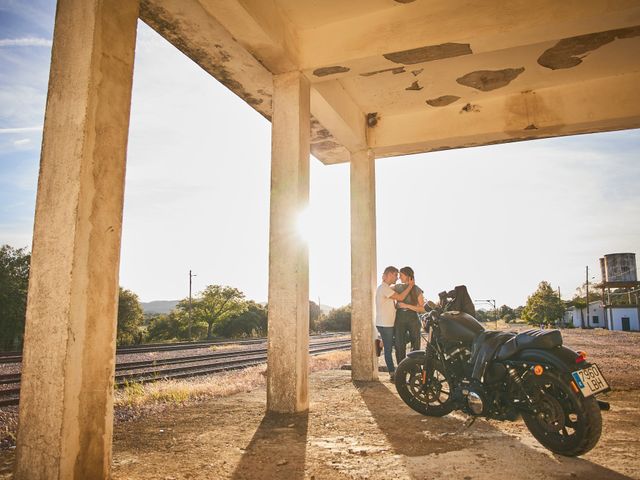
{"type": "Point", "coordinates": [397, 308]}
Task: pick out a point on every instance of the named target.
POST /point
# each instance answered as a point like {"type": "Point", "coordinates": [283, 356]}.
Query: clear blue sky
{"type": "Point", "coordinates": [499, 219]}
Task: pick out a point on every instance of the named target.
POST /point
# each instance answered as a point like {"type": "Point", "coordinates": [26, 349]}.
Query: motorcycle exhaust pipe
{"type": "Point", "coordinates": [605, 406]}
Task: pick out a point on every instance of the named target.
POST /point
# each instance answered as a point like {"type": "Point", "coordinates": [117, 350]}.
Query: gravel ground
{"type": "Point", "coordinates": [357, 431]}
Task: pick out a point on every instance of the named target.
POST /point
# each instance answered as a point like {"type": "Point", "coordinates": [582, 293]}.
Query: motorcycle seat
{"type": "Point", "coordinates": [541, 339]}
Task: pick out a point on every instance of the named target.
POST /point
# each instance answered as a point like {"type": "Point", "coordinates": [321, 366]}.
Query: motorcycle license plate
{"type": "Point", "coordinates": [590, 381]}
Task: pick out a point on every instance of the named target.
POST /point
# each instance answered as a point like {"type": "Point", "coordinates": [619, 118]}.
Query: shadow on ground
{"type": "Point", "coordinates": [440, 448]}
{"type": "Point", "coordinates": [282, 440]}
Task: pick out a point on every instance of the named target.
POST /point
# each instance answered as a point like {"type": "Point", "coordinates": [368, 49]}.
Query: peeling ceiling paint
{"type": "Point", "coordinates": [487, 80]}
{"type": "Point", "coordinates": [429, 53]}
{"type": "Point", "coordinates": [568, 52]}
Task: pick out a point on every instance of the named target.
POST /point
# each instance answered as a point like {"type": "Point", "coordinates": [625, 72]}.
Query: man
{"type": "Point", "coordinates": [386, 297]}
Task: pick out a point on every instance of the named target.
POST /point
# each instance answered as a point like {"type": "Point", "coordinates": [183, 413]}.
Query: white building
{"type": "Point", "coordinates": [623, 318]}
{"type": "Point", "coordinates": [612, 317]}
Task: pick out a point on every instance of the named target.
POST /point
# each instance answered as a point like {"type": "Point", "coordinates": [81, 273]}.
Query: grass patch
{"type": "Point", "coordinates": [222, 348]}
{"type": "Point", "coordinates": [212, 386]}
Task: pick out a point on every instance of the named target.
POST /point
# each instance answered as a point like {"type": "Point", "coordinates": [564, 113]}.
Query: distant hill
{"type": "Point", "coordinates": [325, 309]}
{"type": "Point", "coordinates": [159, 306]}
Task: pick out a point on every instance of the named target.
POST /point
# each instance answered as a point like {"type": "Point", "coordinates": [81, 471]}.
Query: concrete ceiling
{"type": "Point", "coordinates": [409, 76]}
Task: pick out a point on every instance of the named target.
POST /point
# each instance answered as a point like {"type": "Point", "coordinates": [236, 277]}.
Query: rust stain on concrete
{"type": "Point", "coordinates": [528, 112]}
{"type": "Point", "coordinates": [487, 80]}
{"type": "Point", "coordinates": [429, 53]}
{"type": "Point", "coordinates": [443, 101]}
{"type": "Point", "coordinates": [569, 52]}
{"type": "Point", "coordinates": [414, 86]}
{"type": "Point", "coordinates": [394, 70]}
{"type": "Point", "coordinates": [318, 131]}
{"type": "Point", "coordinates": [468, 108]}
{"type": "Point", "coordinates": [325, 145]}
{"type": "Point", "coordinates": [324, 71]}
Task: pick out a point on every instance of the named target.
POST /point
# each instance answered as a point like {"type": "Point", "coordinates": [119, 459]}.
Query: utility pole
{"type": "Point", "coordinates": [561, 321]}
{"type": "Point", "coordinates": [491, 302]}
{"type": "Point", "coordinates": [191, 275]}
{"type": "Point", "coordinates": [587, 299]}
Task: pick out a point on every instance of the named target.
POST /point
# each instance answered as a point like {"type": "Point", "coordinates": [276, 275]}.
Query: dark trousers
{"type": "Point", "coordinates": [407, 328]}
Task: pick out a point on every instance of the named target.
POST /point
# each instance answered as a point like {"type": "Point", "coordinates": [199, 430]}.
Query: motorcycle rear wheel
{"type": "Point", "coordinates": [567, 423]}
{"type": "Point", "coordinates": [433, 399]}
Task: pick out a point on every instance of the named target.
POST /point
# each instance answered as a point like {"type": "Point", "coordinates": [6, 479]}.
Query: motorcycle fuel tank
{"type": "Point", "coordinates": [459, 326]}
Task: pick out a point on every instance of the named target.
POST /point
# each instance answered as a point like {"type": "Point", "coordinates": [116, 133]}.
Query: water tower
{"type": "Point", "coordinates": [617, 268]}
{"type": "Point", "coordinates": [619, 273]}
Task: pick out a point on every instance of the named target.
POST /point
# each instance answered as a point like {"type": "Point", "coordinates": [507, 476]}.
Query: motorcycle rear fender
{"type": "Point", "coordinates": [417, 354]}
{"type": "Point", "coordinates": [561, 358]}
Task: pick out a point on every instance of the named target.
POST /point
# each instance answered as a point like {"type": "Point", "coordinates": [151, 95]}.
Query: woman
{"type": "Point", "coordinates": [407, 321]}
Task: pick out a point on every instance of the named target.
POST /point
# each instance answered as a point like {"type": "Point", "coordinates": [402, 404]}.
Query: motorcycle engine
{"type": "Point", "coordinates": [475, 403]}
{"type": "Point", "coordinates": [473, 398]}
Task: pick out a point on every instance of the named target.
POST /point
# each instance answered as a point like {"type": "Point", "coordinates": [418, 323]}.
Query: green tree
{"type": "Point", "coordinates": [314, 316]}
{"type": "Point", "coordinates": [338, 320]}
{"type": "Point", "coordinates": [544, 306]}
{"type": "Point", "coordinates": [250, 323]}
{"type": "Point", "coordinates": [507, 313]}
{"type": "Point", "coordinates": [483, 315]}
{"type": "Point", "coordinates": [518, 311]}
{"type": "Point", "coordinates": [14, 283]}
{"type": "Point", "coordinates": [130, 318]}
{"type": "Point", "coordinates": [172, 326]}
{"type": "Point", "coordinates": [215, 304]}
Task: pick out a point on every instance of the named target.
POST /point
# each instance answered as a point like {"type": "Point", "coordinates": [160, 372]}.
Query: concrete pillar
{"type": "Point", "coordinates": [364, 363]}
{"type": "Point", "coordinates": [288, 343]}
{"type": "Point", "coordinates": [66, 397]}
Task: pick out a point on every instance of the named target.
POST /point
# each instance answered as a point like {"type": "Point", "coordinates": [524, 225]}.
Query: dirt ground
{"type": "Point", "coordinates": [364, 431]}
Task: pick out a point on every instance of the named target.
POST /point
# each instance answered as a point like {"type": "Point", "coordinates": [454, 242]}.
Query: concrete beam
{"type": "Point", "coordinates": [484, 26]}
{"type": "Point", "coordinates": [254, 42]}
{"type": "Point", "coordinates": [599, 105]}
{"type": "Point", "coordinates": [339, 114]}
{"type": "Point", "coordinates": [364, 362]}
{"type": "Point", "coordinates": [259, 26]}
{"type": "Point", "coordinates": [190, 27]}
{"type": "Point", "coordinates": [288, 336]}
{"type": "Point", "coordinates": [66, 396]}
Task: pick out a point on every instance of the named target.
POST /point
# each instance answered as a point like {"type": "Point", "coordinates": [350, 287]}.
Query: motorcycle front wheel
{"type": "Point", "coordinates": [433, 398]}
{"type": "Point", "coordinates": [566, 423]}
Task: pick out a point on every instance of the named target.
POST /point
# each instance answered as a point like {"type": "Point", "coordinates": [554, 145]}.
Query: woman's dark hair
{"type": "Point", "coordinates": [408, 271]}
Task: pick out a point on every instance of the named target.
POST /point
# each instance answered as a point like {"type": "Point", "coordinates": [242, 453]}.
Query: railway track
{"type": "Point", "coordinates": [16, 357]}
{"type": "Point", "coordinates": [172, 368]}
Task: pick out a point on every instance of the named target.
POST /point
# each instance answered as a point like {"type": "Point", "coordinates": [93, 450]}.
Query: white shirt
{"type": "Point", "coordinates": [385, 306]}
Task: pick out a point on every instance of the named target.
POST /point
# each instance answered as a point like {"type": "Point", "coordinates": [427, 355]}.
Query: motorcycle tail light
{"type": "Point", "coordinates": [582, 356]}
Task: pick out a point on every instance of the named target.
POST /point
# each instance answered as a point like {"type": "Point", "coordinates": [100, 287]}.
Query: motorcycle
{"type": "Point", "coordinates": [503, 376]}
